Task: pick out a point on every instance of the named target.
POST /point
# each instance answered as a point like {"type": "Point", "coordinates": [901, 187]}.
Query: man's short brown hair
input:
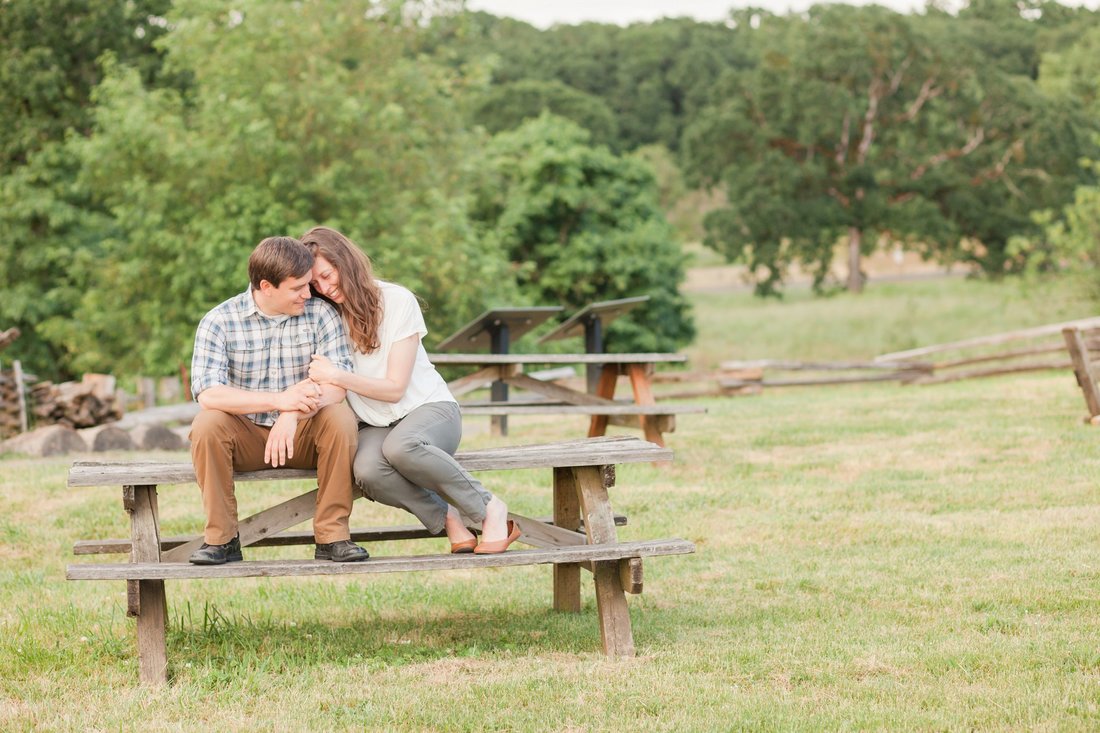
{"type": "Point", "coordinates": [277, 258]}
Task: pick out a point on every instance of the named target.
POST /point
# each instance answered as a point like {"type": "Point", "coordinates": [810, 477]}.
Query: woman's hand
{"type": "Point", "coordinates": [323, 371]}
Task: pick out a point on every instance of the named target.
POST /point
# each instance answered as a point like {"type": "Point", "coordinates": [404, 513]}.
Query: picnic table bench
{"type": "Point", "coordinates": [580, 534]}
{"type": "Point", "coordinates": [642, 412]}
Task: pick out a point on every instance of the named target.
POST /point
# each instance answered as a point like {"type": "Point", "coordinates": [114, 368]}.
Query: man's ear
{"type": "Point", "coordinates": [266, 287]}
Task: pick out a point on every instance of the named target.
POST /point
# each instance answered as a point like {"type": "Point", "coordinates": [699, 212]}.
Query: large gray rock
{"type": "Point", "coordinates": [51, 440]}
{"type": "Point", "coordinates": [106, 437]}
{"type": "Point", "coordinates": [155, 437]}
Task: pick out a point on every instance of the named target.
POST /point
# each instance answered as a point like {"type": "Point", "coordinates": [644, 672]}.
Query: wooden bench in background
{"type": "Point", "coordinates": [1083, 343]}
{"type": "Point", "coordinates": [641, 411]}
{"type": "Point", "coordinates": [581, 534]}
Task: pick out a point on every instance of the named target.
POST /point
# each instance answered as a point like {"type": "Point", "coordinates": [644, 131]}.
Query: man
{"type": "Point", "coordinates": [249, 372]}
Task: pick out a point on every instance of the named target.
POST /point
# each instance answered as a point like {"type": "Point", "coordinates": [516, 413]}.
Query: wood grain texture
{"type": "Point", "coordinates": [283, 568]}
{"type": "Point", "coordinates": [567, 514]}
{"type": "Point", "coordinates": [483, 360]}
{"type": "Point", "coordinates": [607, 408]}
{"type": "Point", "coordinates": [581, 452]}
{"type": "Point", "coordinates": [284, 539]}
{"type": "Point", "coordinates": [260, 525]}
{"type": "Point", "coordinates": [152, 606]}
{"type": "Point", "coordinates": [605, 388]}
{"type": "Point", "coordinates": [1082, 367]}
{"type": "Point", "coordinates": [615, 630]}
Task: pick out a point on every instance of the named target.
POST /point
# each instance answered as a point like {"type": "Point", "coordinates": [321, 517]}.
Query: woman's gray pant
{"type": "Point", "coordinates": [411, 465]}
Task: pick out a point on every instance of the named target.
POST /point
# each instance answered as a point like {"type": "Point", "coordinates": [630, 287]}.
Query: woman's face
{"type": "Point", "coordinates": [326, 280]}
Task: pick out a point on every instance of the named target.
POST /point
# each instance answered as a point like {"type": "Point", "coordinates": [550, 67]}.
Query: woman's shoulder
{"type": "Point", "coordinates": [394, 292]}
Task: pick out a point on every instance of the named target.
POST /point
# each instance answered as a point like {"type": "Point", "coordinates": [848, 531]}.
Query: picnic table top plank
{"type": "Point", "coordinates": [565, 454]}
{"type": "Point", "coordinates": [485, 359]}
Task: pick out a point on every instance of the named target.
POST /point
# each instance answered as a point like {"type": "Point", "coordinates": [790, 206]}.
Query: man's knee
{"type": "Point", "coordinates": [339, 419]}
{"type": "Point", "coordinates": [212, 425]}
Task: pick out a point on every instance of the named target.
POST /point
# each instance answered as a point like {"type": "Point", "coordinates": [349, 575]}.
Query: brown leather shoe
{"type": "Point", "coordinates": [498, 546]}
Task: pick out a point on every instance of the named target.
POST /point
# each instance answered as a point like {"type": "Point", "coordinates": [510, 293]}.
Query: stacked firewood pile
{"type": "Point", "coordinates": [83, 404]}
{"type": "Point", "coordinates": [10, 422]}
{"type": "Point", "coordinates": [9, 404]}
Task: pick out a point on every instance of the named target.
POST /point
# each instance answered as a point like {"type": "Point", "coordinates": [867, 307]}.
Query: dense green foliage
{"type": "Point", "coordinates": [146, 146]}
{"type": "Point", "coordinates": [586, 226]}
{"type": "Point", "coordinates": [51, 229]}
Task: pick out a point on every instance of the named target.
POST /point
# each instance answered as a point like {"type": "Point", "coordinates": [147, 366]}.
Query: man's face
{"type": "Point", "coordinates": [289, 299]}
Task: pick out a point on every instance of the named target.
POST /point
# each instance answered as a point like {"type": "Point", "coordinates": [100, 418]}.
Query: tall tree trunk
{"type": "Point", "coordinates": [855, 276]}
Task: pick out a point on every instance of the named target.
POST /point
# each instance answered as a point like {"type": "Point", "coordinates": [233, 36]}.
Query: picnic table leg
{"type": "Point", "coordinates": [599, 525]}
{"type": "Point", "coordinates": [643, 395]}
{"type": "Point", "coordinates": [152, 608]}
{"type": "Point", "coordinates": [609, 376]}
{"type": "Point", "coordinates": [567, 514]}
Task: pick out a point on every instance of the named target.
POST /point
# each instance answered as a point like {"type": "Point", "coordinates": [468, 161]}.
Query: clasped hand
{"type": "Point", "coordinates": [300, 400]}
{"type": "Point", "coordinates": [322, 370]}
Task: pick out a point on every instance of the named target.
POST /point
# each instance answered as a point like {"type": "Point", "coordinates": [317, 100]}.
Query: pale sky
{"type": "Point", "coordinates": [544, 13]}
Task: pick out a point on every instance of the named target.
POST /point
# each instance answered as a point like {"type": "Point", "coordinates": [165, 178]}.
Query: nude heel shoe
{"type": "Point", "coordinates": [497, 546]}
{"type": "Point", "coordinates": [458, 548]}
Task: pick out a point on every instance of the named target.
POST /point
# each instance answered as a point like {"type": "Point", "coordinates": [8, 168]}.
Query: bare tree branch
{"type": "Point", "coordinates": [970, 146]}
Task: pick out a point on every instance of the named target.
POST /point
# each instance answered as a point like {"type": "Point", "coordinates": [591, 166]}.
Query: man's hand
{"type": "Point", "coordinates": [280, 441]}
{"type": "Point", "coordinates": [323, 371]}
{"type": "Point", "coordinates": [304, 397]}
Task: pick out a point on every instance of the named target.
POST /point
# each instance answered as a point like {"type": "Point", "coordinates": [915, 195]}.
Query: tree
{"type": "Point", "coordinates": [580, 224]}
{"type": "Point", "coordinates": [52, 228]}
{"type": "Point", "coordinates": [856, 123]}
{"type": "Point", "coordinates": [299, 113]}
{"type": "Point", "coordinates": [506, 106]}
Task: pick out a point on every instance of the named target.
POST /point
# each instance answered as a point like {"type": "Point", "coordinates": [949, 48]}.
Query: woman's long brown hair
{"type": "Point", "coordinates": [362, 306]}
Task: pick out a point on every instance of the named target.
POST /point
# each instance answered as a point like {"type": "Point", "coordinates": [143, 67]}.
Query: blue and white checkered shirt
{"type": "Point", "coordinates": [239, 346]}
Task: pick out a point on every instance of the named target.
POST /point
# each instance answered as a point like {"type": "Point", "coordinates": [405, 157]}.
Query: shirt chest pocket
{"type": "Point", "coordinates": [300, 337]}
{"type": "Point", "coordinates": [248, 358]}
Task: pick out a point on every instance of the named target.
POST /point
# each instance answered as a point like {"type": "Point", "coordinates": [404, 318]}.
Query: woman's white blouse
{"type": "Point", "coordinates": [401, 318]}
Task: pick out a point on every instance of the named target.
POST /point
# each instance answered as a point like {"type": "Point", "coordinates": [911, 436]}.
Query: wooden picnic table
{"type": "Point", "coordinates": [642, 411]}
{"type": "Point", "coordinates": [581, 534]}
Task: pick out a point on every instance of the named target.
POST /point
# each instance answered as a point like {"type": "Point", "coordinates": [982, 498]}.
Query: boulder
{"type": "Point", "coordinates": [155, 437]}
{"type": "Point", "coordinates": [51, 440]}
{"type": "Point", "coordinates": [106, 437]}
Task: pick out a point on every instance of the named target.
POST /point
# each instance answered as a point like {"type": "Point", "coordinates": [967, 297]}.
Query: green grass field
{"type": "Point", "coordinates": [868, 557]}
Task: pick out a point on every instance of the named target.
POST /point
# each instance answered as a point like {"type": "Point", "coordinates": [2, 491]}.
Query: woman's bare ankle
{"type": "Point", "coordinates": [495, 525]}
{"type": "Point", "coordinates": [455, 527]}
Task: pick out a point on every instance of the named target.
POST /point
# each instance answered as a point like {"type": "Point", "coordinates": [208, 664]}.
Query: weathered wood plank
{"type": "Point", "coordinates": [152, 605]}
{"type": "Point", "coordinates": [471, 382]}
{"type": "Point", "coordinates": [581, 452]}
{"type": "Point", "coordinates": [997, 338]}
{"type": "Point", "coordinates": [643, 397]}
{"type": "Point", "coordinates": [1082, 367]}
{"type": "Point", "coordinates": [1037, 366]}
{"type": "Point", "coordinates": [630, 575]}
{"type": "Point", "coordinates": [556, 392]}
{"type": "Point", "coordinates": [280, 568]}
{"type": "Point", "coordinates": [567, 514]}
{"type": "Point", "coordinates": [605, 387]}
{"type": "Point", "coordinates": [606, 408]}
{"type": "Point", "coordinates": [488, 359]}
{"type": "Point", "coordinates": [824, 366]}
{"type": "Point", "coordinates": [615, 631]}
{"type": "Point", "coordinates": [260, 525]}
{"type": "Point", "coordinates": [284, 539]}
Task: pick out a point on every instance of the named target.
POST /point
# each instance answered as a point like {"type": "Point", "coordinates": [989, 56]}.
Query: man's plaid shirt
{"type": "Point", "coordinates": [236, 345]}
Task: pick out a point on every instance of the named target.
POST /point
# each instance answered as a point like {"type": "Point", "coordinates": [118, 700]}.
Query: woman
{"type": "Point", "coordinates": [410, 424]}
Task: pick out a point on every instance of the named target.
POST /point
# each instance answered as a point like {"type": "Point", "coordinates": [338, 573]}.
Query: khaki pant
{"type": "Point", "coordinates": [222, 443]}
